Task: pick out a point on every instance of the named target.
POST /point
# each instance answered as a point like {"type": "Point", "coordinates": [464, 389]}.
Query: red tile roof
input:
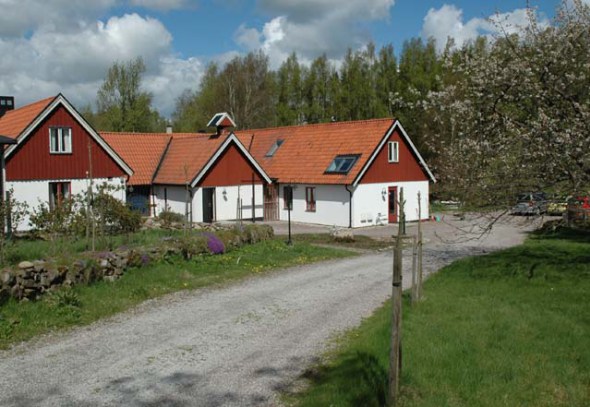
{"type": "Point", "coordinates": [186, 157]}
{"type": "Point", "coordinates": [308, 150]}
{"type": "Point", "coordinates": [13, 122]}
{"type": "Point", "coordinates": [141, 151]}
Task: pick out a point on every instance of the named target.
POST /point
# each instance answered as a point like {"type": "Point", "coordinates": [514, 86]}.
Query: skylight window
{"type": "Point", "coordinates": [274, 148]}
{"type": "Point", "coordinates": [342, 164]}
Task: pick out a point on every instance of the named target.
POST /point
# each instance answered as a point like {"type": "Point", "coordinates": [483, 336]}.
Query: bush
{"type": "Point", "coordinates": [167, 217]}
{"type": "Point", "coordinates": [214, 244]}
{"type": "Point", "coordinates": [109, 215]}
{"type": "Point", "coordinates": [231, 238]}
{"type": "Point", "coordinates": [192, 245]}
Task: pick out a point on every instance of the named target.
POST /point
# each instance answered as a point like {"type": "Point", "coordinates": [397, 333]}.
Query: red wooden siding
{"type": "Point", "coordinates": [32, 160]}
{"type": "Point", "coordinates": [231, 168]}
{"type": "Point", "coordinates": [407, 169]}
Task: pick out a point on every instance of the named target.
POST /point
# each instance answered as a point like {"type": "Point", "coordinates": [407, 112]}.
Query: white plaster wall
{"type": "Point", "coordinates": [227, 200]}
{"type": "Point", "coordinates": [225, 205]}
{"type": "Point", "coordinates": [171, 197]}
{"type": "Point", "coordinates": [370, 202]}
{"type": "Point", "coordinates": [332, 203]}
{"type": "Point", "coordinates": [34, 193]}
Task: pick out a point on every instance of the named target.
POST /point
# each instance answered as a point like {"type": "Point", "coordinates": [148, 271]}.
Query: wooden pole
{"type": "Point", "coordinates": [414, 270]}
{"type": "Point", "coordinates": [396, 308]}
{"type": "Point", "coordinates": [420, 275]}
{"type": "Point", "coordinates": [253, 200]}
{"type": "Point", "coordinates": [90, 210]}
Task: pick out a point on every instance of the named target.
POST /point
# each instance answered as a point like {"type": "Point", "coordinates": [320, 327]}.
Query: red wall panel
{"type": "Point", "coordinates": [32, 160]}
{"type": "Point", "coordinates": [231, 168]}
{"type": "Point", "coordinates": [407, 169]}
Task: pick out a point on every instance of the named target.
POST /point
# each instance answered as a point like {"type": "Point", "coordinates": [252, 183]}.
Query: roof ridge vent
{"type": "Point", "coordinates": [221, 121]}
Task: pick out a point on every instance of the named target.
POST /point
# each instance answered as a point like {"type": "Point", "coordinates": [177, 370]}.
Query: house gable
{"type": "Point", "coordinates": [32, 160]}
{"type": "Point", "coordinates": [409, 167]}
{"type": "Point", "coordinates": [231, 168]}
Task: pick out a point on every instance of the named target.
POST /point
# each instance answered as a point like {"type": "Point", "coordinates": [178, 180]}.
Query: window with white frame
{"type": "Point", "coordinates": [60, 140]}
{"type": "Point", "coordinates": [393, 150]}
{"type": "Point", "coordinates": [58, 192]}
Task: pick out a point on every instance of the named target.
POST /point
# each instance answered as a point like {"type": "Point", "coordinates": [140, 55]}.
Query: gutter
{"type": "Point", "coordinates": [349, 207]}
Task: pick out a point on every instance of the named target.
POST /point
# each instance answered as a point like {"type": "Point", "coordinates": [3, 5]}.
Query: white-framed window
{"type": "Point", "coordinates": [60, 140]}
{"type": "Point", "coordinates": [393, 151]}
{"type": "Point", "coordinates": [58, 192]}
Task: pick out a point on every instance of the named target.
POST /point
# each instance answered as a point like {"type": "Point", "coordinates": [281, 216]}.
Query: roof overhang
{"type": "Point", "coordinates": [61, 100]}
{"type": "Point", "coordinates": [228, 141]}
{"type": "Point", "coordinates": [396, 125]}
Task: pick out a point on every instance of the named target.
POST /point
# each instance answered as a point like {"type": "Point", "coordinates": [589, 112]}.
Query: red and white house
{"type": "Point", "coordinates": [206, 177]}
{"type": "Point", "coordinates": [56, 153]}
{"type": "Point", "coordinates": [346, 174]}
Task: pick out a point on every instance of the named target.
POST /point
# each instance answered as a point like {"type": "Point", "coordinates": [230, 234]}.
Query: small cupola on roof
{"type": "Point", "coordinates": [221, 121]}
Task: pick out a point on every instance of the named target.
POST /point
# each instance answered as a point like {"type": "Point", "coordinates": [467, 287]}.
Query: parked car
{"type": "Point", "coordinates": [530, 203]}
{"type": "Point", "coordinates": [557, 205]}
{"type": "Point", "coordinates": [578, 208]}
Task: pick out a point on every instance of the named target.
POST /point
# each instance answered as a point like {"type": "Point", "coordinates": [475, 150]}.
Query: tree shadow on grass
{"type": "Point", "coordinates": [359, 377]}
{"type": "Point", "coordinates": [559, 231]}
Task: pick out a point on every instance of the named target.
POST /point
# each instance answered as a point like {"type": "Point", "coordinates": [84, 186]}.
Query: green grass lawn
{"type": "Point", "coordinates": [85, 304]}
{"type": "Point", "coordinates": [508, 329]}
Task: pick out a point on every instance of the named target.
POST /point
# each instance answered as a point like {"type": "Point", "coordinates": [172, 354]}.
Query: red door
{"type": "Point", "coordinates": [392, 208]}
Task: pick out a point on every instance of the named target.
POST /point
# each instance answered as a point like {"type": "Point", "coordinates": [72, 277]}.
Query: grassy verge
{"type": "Point", "coordinates": [20, 249]}
{"type": "Point", "coordinates": [85, 304]}
{"type": "Point", "coordinates": [360, 241]}
{"type": "Point", "coordinates": [508, 329]}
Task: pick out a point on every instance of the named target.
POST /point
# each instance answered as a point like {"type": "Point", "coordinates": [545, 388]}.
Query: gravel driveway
{"type": "Point", "coordinates": [238, 345]}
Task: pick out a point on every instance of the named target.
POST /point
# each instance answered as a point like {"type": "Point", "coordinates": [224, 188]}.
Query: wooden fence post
{"type": "Point", "coordinates": [415, 287]}
{"type": "Point", "coordinates": [396, 314]}
{"type": "Point", "coordinates": [419, 293]}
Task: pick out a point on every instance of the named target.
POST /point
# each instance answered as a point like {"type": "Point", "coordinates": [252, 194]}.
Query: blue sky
{"type": "Point", "coordinates": [52, 46]}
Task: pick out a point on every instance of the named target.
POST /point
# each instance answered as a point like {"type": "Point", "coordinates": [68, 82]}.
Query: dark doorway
{"type": "Point", "coordinates": [392, 209]}
{"type": "Point", "coordinates": [208, 204]}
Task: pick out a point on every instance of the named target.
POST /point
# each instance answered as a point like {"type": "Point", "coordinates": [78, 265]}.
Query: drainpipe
{"type": "Point", "coordinates": [349, 207]}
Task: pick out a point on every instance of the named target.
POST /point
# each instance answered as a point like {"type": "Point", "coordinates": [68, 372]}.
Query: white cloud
{"type": "Point", "coordinates": [312, 27]}
{"type": "Point", "coordinates": [19, 16]}
{"type": "Point", "coordinates": [75, 62]}
{"type": "Point", "coordinates": [163, 4]}
{"type": "Point", "coordinates": [447, 21]}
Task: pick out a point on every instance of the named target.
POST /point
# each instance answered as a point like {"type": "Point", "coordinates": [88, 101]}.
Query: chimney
{"type": "Point", "coordinates": [6, 104]}
{"type": "Point", "coordinates": [222, 122]}
{"type": "Point", "coordinates": [169, 128]}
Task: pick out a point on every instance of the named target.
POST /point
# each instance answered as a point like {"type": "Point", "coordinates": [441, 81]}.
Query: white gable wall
{"type": "Point", "coordinates": [370, 202]}
{"type": "Point", "coordinates": [34, 193]}
{"type": "Point", "coordinates": [228, 198]}
{"type": "Point", "coordinates": [226, 201]}
{"type": "Point", "coordinates": [332, 203]}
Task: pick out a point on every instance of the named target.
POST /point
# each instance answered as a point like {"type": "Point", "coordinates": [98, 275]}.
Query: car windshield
{"type": "Point", "coordinates": [524, 197]}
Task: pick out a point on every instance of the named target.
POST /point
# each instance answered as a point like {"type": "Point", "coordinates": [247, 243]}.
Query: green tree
{"type": "Point", "coordinates": [516, 117]}
{"type": "Point", "coordinates": [290, 103]}
{"type": "Point", "coordinates": [245, 88]}
{"type": "Point", "coordinates": [319, 91]}
{"type": "Point", "coordinates": [122, 105]}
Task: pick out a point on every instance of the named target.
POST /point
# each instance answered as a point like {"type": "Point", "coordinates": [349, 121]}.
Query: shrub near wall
{"type": "Point", "coordinates": [31, 279]}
